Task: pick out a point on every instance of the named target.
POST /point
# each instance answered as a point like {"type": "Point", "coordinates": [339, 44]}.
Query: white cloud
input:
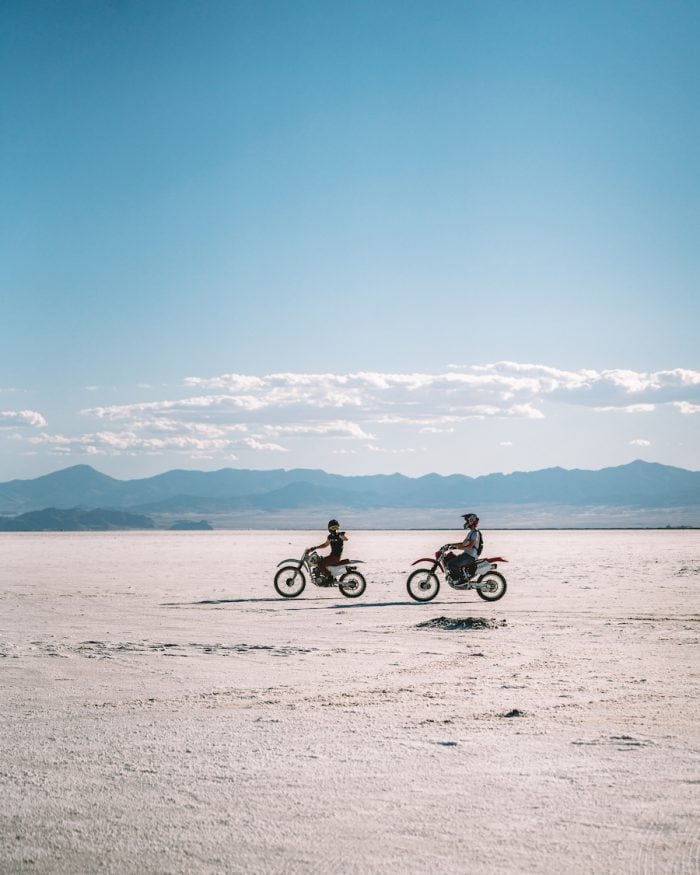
{"type": "Point", "coordinates": [686, 408]}
{"type": "Point", "coordinates": [201, 404]}
{"type": "Point", "coordinates": [333, 428]}
{"type": "Point", "coordinates": [232, 382]}
{"type": "Point", "coordinates": [506, 444]}
{"type": "Point", "coordinates": [629, 408]}
{"type": "Point", "coordinates": [130, 442]}
{"type": "Point", "coordinates": [126, 442]}
{"type": "Point", "coordinates": [225, 414]}
{"type": "Point", "coordinates": [525, 411]}
{"type": "Point", "coordinates": [640, 442]}
{"type": "Point", "coordinates": [479, 390]}
{"type": "Point", "coordinates": [305, 401]}
{"type": "Point", "coordinates": [591, 387]}
{"type": "Point", "coordinates": [19, 418]}
{"type": "Point", "coordinates": [394, 451]}
{"type": "Point", "coordinates": [254, 444]}
{"type": "Point", "coordinates": [203, 429]}
{"type": "Point", "coordinates": [466, 414]}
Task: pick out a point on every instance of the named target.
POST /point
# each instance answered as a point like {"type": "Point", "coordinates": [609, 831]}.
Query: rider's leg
{"type": "Point", "coordinates": [325, 561]}
{"type": "Point", "coordinates": [322, 565]}
{"type": "Point", "coordinates": [465, 562]}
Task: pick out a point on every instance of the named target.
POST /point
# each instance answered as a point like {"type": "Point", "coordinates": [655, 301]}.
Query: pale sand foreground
{"type": "Point", "coordinates": [162, 710]}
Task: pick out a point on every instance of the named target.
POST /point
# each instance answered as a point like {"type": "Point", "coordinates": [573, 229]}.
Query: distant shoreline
{"type": "Point", "coordinates": [157, 530]}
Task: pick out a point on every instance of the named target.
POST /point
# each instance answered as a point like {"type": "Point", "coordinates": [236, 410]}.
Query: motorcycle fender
{"type": "Point", "coordinates": [497, 559]}
{"type": "Point", "coordinates": [345, 565]}
{"type": "Point", "coordinates": [294, 561]}
{"type": "Point", "coordinates": [432, 562]}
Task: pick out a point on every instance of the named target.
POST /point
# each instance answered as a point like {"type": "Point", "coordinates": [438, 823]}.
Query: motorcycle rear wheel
{"type": "Point", "coordinates": [423, 585]}
{"type": "Point", "coordinates": [496, 586]}
{"type": "Point", "coordinates": [352, 584]}
{"type": "Point", "coordinates": [290, 582]}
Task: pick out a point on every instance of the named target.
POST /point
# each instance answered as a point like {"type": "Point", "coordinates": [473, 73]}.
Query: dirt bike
{"type": "Point", "coordinates": [290, 580]}
{"type": "Point", "coordinates": [424, 584]}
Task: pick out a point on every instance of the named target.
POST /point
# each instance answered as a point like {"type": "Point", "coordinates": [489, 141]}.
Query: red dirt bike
{"type": "Point", "coordinates": [424, 584]}
{"type": "Point", "coordinates": [290, 580]}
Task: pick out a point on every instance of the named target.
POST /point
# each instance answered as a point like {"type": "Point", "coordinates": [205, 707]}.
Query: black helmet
{"type": "Point", "coordinates": [470, 519]}
{"type": "Point", "coordinates": [333, 524]}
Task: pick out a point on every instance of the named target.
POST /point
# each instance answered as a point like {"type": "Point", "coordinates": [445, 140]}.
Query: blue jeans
{"type": "Point", "coordinates": [465, 561]}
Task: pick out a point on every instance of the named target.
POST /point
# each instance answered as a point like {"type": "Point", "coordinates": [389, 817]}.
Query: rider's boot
{"type": "Point", "coordinates": [325, 578]}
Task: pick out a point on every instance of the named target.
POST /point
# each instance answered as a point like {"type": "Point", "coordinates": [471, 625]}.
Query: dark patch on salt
{"type": "Point", "coordinates": [688, 570]}
{"type": "Point", "coordinates": [516, 712]}
{"type": "Point", "coordinates": [452, 624]}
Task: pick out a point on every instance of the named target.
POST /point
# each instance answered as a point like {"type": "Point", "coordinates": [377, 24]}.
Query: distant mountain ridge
{"type": "Point", "coordinates": [638, 484]}
{"type": "Point", "coordinates": [53, 519]}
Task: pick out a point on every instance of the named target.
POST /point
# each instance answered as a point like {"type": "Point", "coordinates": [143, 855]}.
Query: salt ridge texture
{"type": "Point", "coordinates": [163, 710]}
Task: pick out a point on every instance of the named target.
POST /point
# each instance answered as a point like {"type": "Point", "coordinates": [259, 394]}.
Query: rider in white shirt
{"type": "Point", "coordinates": [471, 545]}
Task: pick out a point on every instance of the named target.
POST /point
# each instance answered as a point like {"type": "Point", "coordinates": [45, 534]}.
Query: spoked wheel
{"type": "Point", "coordinates": [290, 582]}
{"type": "Point", "coordinates": [492, 586]}
{"type": "Point", "coordinates": [352, 584]}
{"type": "Point", "coordinates": [423, 585]}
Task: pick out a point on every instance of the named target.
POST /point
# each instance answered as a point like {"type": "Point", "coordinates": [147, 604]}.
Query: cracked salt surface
{"type": "Point", "coordinates": [162, 710]}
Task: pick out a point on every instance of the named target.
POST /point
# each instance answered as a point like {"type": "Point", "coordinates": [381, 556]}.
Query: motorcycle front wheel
{"type": "Point", "coordinates": [290, 582]}
{"type": "Point", "coordinates": [352, 584]}
{"type": "Point", "coordinates": [494, 586]}
{"type": "Point", "coordinates": [423, 585]}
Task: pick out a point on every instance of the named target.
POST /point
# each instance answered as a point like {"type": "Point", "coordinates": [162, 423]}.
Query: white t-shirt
{"type": "Point", "coordinates": [474, 541]}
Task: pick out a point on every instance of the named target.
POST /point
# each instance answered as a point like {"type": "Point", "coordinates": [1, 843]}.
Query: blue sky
{"type": "Point", "coordinates": [359, 236]}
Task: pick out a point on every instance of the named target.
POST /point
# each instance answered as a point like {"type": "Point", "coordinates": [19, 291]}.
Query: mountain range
{"type": "Point", "coordinates": [243, 493]}
{"type": "Point", "coordinates": [74, 520]}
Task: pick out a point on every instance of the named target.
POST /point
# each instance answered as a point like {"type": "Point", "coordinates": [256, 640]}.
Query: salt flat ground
{"type": "Point", "coordinates": [163, 710]}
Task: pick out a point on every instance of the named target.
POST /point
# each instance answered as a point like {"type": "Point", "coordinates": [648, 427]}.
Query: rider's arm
{"type": "Point", "coordinates": [466, 543]}
{"type": "Point", "coordinates": [343, 536]}
{"type": "Point", "coordinates": [320, 546]}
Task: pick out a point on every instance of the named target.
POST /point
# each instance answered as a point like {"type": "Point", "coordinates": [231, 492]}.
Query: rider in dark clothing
{"type": "Point", "coordinates": [335, 541]}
